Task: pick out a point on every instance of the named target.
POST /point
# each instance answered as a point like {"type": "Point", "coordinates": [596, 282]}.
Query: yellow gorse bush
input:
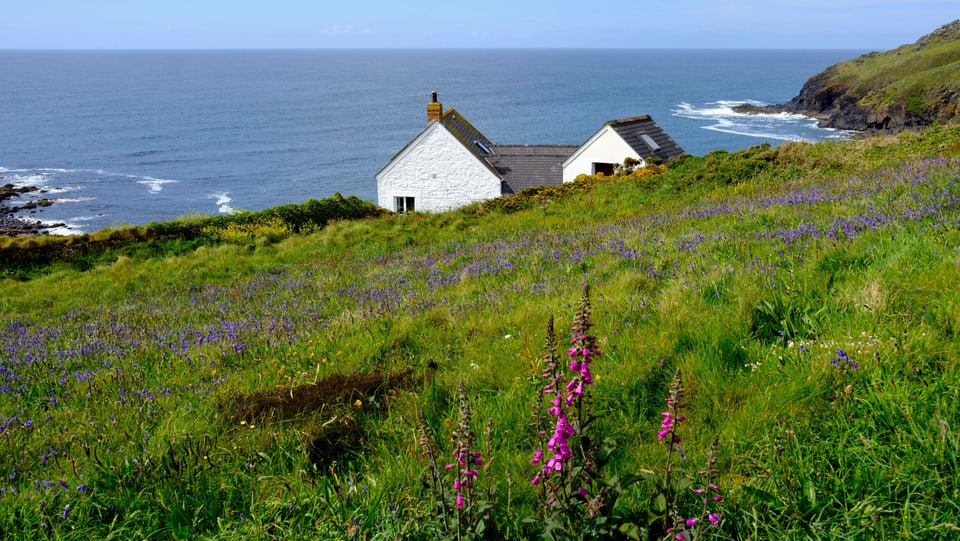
{"type": "Point", "coordinates": [264, 230]}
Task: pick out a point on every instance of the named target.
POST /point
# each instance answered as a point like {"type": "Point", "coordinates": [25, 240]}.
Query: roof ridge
{"type": "Point", "coordinates": [456, 115]}
{"type": "Point", "coordinates": [540, 145]}
{"type": "Point", "coordinates": [629, 119]}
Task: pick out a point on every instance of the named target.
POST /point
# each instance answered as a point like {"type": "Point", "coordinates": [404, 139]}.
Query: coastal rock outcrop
{"type": "Point", "coordinates": [911, 86]}
{"type": "Point", "coordinates": [10, 223]}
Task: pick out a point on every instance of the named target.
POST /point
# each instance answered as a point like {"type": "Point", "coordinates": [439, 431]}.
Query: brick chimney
{"type": "Point", "coordinates": [434, 109]}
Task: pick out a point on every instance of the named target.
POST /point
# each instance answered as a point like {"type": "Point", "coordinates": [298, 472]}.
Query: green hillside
{"type": "Point", "coordinates": [925, 76]}
{"type": "Point", "coordinates": [751, 345]}
{"type": "Point", "coordinates": [910, 86]}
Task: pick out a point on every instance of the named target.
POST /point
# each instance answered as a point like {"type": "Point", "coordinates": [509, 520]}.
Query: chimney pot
{"type": "Point", "coordinates": [434, 109]}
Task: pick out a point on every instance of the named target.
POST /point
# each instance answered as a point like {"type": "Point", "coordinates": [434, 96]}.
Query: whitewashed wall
{"type": "Point", "coordinates": [603, 147]}
{"type": "Point", "coordinates": [438, 172]}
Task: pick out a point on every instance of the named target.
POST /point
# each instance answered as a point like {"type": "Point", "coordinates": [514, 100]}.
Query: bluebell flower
{"type": "Point", "coordinates": [842, 360]}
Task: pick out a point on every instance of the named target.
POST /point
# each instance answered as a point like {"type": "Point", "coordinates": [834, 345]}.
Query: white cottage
{"type": "Point", "coordinates": [442, 168]}
{"type": "Point", "coordinates": [638, 137]}
{"type": "Point", "coordinates": [451, 164]}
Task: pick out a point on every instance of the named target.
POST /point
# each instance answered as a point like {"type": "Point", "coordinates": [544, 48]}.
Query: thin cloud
{"type": "Point", "coordinates": [340, 30]}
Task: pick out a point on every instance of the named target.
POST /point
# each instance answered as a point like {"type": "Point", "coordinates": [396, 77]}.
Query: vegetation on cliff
{"type": "Point", "coordinates": [911, 86]}
{"type": "Point", "coordinates": [768, 351]}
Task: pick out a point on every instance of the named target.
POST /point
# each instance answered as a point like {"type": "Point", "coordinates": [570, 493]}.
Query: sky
{"type": "Point", "coordinates": [285, 24]}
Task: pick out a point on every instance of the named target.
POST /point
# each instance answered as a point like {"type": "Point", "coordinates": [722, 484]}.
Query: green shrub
{"type": "Point", "coordinates": [33, 255]}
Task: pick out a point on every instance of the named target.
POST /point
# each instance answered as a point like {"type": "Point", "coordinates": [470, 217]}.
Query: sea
{"type": "Point", "coordinates": [132, 137]}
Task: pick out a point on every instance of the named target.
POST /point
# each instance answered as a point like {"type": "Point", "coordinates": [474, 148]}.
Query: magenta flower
{"type": "Point", "coordinates": [465, 459]}
{"type": "Point", "coordinates": [671, 417]}
{"type": "Point", "coordinates": [567, 391]}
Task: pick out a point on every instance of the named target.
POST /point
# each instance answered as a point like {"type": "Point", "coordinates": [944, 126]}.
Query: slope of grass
{"type": "Point", "coordinates": [272, 390]}
{"type": "Point", "coordinates": [26, 257]}
{"type": "Point", "coordinates": [924, 76]}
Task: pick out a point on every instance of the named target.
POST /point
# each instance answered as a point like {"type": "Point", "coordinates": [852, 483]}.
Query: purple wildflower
{"type": "Point", "coordinates": [583, 349]}
{"type": "Point", "coordinates": [843, 361]}
{"type": "Point", "coordinates": [671, 418]}
{"type": "Point", "coordinates": [563, 393]}
{"type": "Point", "coordinates": [465, 459]}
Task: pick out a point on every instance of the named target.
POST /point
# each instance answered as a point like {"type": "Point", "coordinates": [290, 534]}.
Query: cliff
{"type": "Point", "coordinates": [911, 86]}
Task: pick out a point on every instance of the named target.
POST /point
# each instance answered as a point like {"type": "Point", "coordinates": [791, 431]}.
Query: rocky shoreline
{"type": "Point", "coordinates": [823, 120]}
{"type": "Point", "coordinates": [830, 106]}
{"type": "Point", "coordinates": [923, 88]}
{"type": "Point", "coordinates": [828, 102]}
{"type": "Point", "coordinates": [13, 225]}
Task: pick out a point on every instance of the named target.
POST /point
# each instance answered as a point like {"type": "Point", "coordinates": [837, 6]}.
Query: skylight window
{"type": "Point", "coordinates": [483, 147]}
{"type": "Point", "coordinates": [650, 142]}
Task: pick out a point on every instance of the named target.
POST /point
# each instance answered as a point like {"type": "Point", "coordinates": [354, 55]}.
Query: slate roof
{"type": "Point", "coordinates": [525, 166]}
{"type": "Point", "coordinates": [632, 130]}
{"type": "Point", "coordinates": [518, 166]}
{"type": "Point", "coordinates": [469, 137]}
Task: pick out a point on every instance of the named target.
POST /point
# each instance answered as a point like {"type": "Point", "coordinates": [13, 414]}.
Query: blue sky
{"type": "Point", "coordinates": [231, 24]}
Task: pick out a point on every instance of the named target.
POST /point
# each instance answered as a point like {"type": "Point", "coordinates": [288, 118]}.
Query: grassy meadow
{"type": "Point", "coordinates": [299, 386]}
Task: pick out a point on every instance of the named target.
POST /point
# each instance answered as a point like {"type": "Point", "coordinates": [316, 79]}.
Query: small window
{"type": "Point", "coordinates": [650, 142]}
{"type": "Point", "coordinates": [483, 147]}
{"type": "Point", "coordinates": [404, 204]}
{"type": "Point", "coordinates": [605, 169]}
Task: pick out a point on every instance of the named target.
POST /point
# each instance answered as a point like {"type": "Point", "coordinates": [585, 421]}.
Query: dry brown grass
{"type": "Point", "coordinates": [330, 413]}
{"type": "Point", "coordinates": [287, 402]}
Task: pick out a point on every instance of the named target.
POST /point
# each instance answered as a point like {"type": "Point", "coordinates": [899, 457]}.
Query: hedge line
{"type": "Point", "coordinates": [23, 256]}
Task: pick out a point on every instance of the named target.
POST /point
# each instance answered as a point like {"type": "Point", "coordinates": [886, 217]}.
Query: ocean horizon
{"type": "Point", "coordinates": [131, 137]}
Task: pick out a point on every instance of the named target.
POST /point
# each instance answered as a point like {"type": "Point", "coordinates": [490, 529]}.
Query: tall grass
{"type": "Point", "coordinates": [272, 389]}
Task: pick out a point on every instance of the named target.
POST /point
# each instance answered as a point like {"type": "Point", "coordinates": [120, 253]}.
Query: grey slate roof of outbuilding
{"type": "Point", "coordinates": [632, 131]}
{"type": "Point", "coordinates": [525, 166]}
{"type": "Point", "coordinates": [518, 166]}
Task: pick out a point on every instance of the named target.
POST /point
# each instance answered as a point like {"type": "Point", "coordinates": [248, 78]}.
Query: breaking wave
{"type": "Point", "coordinates": [720, 116]}
{"type": "Point", "coordinates": [223, 202]}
